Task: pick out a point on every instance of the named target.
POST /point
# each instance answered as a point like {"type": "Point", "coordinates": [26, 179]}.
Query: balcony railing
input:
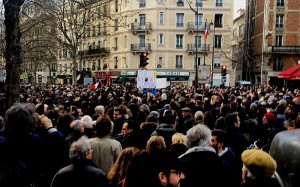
{"type": "Point", "coordinates": [285, 49]}
{"type": "Point", "coordinates": [97, 51]}
{"type": "Point", "coordinates": [192, 26]}
{"type": "Point", "coordinates": [141, 47]}
{"type": "Point", "coordinates": [138, 27]}
{"type": "Point", "coordinates": [203, 48]}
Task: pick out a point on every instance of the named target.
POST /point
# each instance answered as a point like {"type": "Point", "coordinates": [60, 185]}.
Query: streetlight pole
{"type": "Point", "coordinates": [196, 60]}
{"type": "Point", "coordinates": [212, 56]}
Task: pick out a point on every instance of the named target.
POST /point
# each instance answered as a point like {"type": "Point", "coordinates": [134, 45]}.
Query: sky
{"type": "Point", "coordinates": [237, 5]}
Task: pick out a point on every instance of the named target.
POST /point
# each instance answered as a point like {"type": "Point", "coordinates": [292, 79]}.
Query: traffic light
{"type": "Point", "coordinates": [224, 70]}
{"type": "Point", "coordinates": [143, 59]}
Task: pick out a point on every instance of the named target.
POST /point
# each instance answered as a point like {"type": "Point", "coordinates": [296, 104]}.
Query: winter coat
{"type": "Point", "coordinates": [202, 166]}
{"type": "Point", "coordinates": [80, 173]}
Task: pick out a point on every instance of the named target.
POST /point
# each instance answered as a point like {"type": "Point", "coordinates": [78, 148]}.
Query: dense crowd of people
{"type": "Point", "coordinates": [124, 136]}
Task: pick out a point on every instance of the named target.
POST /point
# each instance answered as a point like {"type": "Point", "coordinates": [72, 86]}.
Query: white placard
{"type": "Point", "coordinates": [146, 79]}
{"type": "Point", "coordinates": [161, 83]}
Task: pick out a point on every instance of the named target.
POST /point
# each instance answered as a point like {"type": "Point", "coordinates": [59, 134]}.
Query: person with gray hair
{"type": "Point", "coordinates": [82, 171]}
{"type": "Point", "coordinates": [99, 110]}
{"type": "Point", "coordinates": [88, 127]}
{"type": "Point", "coordinates": [202, 159]}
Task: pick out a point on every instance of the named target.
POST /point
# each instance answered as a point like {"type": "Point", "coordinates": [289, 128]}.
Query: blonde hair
{"type": "Point", "coordinates": [155, 143]}
{"type": "Point", "coordinates": [179, 138]}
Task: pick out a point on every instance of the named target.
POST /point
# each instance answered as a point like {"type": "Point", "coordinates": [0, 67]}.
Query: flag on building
{"type": "Point", "coordinates": [205, 33]}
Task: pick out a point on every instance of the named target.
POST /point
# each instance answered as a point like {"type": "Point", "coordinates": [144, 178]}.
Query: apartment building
{"type": "Point", "coordinates": [167, 30]}
{"type": "Point", "coordinates": [273, 38]}
{"type": "Point", "coordinates": [239, 65]}
{"type": "Point", "coordinates": [172, 33]}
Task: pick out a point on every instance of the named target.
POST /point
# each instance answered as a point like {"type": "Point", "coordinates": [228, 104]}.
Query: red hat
{"type": "Point", "coordinates": [270, 117]}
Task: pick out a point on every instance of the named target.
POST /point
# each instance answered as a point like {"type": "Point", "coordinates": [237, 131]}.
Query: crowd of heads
{"type": "Point", "coordinates": [158, 134]}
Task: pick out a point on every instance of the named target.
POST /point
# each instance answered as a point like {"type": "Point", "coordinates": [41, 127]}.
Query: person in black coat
{"type": "Point", "coordinates": [82, 171]}
{"type": "Point", "coordinates": [201, 164]}
{"type": "Point", "coordinates": [30, 148]}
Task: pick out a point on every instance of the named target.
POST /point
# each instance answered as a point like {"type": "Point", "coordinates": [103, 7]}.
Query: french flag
{"type": "Point", "coordinates": [94, 86]}
{"type": "Point", "coordinates": [205, 33]}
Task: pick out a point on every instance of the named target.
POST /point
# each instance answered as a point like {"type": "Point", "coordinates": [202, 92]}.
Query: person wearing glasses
{"type": "Point", "coordinates": [82, 171]}
{"type": "Point", "coordinates": [150, 170]}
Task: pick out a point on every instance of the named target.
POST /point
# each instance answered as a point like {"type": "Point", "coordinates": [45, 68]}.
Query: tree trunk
{"type": "Point", "coordinates": [12, 51]}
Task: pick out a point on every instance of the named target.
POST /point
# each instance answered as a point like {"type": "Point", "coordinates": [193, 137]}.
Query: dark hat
{"type": "Point", "coordinates": [187, 109]}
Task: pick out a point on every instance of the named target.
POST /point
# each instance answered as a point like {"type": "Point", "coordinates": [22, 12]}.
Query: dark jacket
{"type": "Point", "coordinates": [80, 173]}
{"type": "Point", "coordinates": [261, 182]}
{"type": "Point", "coordinates": [232, 166]}
{"type": "Point", "coordinates": [32, 159]}
{"type": "Point", "coordinates": [185, 124]}
{"type": "Point", "coordinates": [201, 165]}
{"type": "Point", "coordinates": [166, 131]}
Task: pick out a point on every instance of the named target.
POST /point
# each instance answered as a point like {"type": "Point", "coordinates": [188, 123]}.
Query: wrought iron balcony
{"type": "Point", "coordinates": [141, 47]}
{"type": "Point", "coordinates": [94, 52]}
{"type": "Point", "coordinates": [284, 50]}
{"type": "Point", "coordinates": [140, 27]}
{"type": "Point", "coordinates": [203, 48]}
{"type": "Point", "coordinates": [192, 27]}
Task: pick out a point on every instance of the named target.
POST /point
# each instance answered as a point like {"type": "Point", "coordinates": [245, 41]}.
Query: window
{"type": "Point", "coordinates": [198, 42]}
{"type": "Point", "coordinates": [279, 21]}
{"type": "Point", "coordinates": [278, 64]}
{"type": "Point", "coordinates": [280, 2]}
{"type": "Point", "coordinates": [179, 41]}
{"type": "Point", "coordinates": [142, 41]}
{"type": "Point", "coordinates": [218, 41]}
{"type": "Point", "coordinates": [179, 18]}
{"type": "Point", "coordinates": [241, 30]}
{"type": "Point", "coordinates": [116, 44]}
{"type": "Point", "coordinates": [161, 18]}
{"type": "Point", "coordinates": [116, 25]}
{"type": "Point", "coordinates": [180, 3]}
{"type": "Point", "coordinates": [217, 62]}
{"type": "Point", "coordinates": [105, 28]}
{"type": "Point", "coordinates": [116, 6]}
{"type": "Point", "coordinates": [198, 20]}
{"type": "Point", "coordinates": [160, 62]}
{"type": "Point", "coordinates": [179, 61]}
{"type": "Point", "coordinates": [94, 31]}
{"type": "Point", "coordinates": [125, 41]}
{"type": "Point", "coordinates": [142, 3]}
{"type": "Point", "coordinates": [278, 40]}
{"type": "Point", "coordinates": [98, 65]}
{"type": "Point", "coordinates": [99, 29]}
{"type": "Point", "coordinates": [219, 3]}
{"type": "Point", "coordinates": [199, 3]}
{"type": "Point", "coordinates": [142, 20]}
{"type": "Point", "coordinates": [198, 61]}
{"type": "Point", "coordinates": [88, 32]}
{"type": "Point", "coordinates": [218, 20]}
{"type": "Point", "coordinates": [116, 63]}
{"type": "Point", "coordinates": [161, 38]}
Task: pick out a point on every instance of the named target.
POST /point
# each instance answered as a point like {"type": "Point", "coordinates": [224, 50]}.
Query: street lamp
{"type": "Point", "coordinates": [212, 56]}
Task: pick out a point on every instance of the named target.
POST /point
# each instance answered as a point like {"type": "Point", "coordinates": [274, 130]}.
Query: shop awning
{"type": "Point", "coordinates": [120, 79]}
{"type": "Point", "coordinates": [291, 74]}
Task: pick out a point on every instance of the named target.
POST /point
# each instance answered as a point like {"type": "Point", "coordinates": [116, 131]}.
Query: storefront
{"type": "Point", "coordinates": [172, 77]}
{"type": "Point", "coordinates": [106, 77]}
